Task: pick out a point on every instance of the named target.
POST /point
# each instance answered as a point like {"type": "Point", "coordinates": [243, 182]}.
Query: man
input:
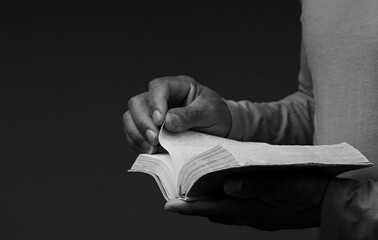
{"type": "Point", "coordinates": [337, 101]}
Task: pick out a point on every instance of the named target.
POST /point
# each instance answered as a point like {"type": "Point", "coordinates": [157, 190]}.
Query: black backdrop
{"type": "Point", "coordinates": [68, 69]}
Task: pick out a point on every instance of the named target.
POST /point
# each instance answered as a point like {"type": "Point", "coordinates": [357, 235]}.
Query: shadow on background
{"type": "Point", "coordinates": [68, 69]}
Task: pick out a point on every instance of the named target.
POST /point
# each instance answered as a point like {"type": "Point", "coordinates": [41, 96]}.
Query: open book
{"type": "Point", "coordinates": [196, 163]}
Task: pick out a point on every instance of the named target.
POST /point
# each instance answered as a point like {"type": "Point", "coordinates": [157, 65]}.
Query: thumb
{"type": "Point", "coordinates": [181, 119]}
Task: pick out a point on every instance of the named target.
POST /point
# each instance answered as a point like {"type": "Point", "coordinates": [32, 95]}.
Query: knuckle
{"type": "Point", "coordinates": [140, 122]}
{"type": "Point", "coordinates": [133, 101]}
{"type": "Point", "coordinates": [126, 117]}
{"type": "Point", "coordinates": [157, 81]}
{"type": "Point", "coordinates": [137, 100]}
{"type": "Point", "coordinates": [189, 81]}
{"type": "Point", "coordinates": [186, 78]}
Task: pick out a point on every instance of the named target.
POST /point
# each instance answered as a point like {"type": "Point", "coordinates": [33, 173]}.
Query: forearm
{"type": "Point", "coordinates": [288, 121]}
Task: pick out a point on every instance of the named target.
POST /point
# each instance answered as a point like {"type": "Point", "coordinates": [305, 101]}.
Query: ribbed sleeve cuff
{"type": "Point", "coordinates": [236, 129]}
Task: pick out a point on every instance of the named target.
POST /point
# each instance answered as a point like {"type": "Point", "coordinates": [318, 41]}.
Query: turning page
{"type": "Point", "coordinates": [185, 145]}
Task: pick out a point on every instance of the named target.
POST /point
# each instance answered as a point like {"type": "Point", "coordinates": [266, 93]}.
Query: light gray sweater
{"type": "Point", "coordinates": [337, 101]}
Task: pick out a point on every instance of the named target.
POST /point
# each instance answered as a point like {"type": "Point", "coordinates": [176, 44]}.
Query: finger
{"type": "Point", "coordinates": [181, 119]}
{"type": "Point", "coordinates": [130, 128]}
{"type": "Point", "coordinates": [133, 144]}
{"type": "Point", "coordinates": [134, 138]}
{"type": "Point", "coordinates": [164, 91]}
{"type": "Point", "coordinates": [145, 147]}
{"type": "Point", "coordinates": [141, 117]}
{"type": "Point", "coordinates": [205, 208]}
{"type": "Point", "coordinates": [222, 210]}
{"type": "Point", "coordinates": [138, 141]}
{"type": "Point", "coordinates": [249, 212]}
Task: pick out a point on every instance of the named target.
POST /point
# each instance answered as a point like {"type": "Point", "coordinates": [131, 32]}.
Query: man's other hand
{"type": "Point", "coordinates": [267, 201]}
{"type": "Point", "coordinates": [179, 101]}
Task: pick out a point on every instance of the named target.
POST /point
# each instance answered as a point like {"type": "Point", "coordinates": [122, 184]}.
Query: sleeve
{"type": "Point", "coordinates": [350, 210]}
{"type": "Point", "coordinates": [288, 121]}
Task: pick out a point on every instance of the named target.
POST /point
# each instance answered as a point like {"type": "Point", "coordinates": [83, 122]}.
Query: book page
{"type": "Point", "coordinates": [204, 175]}
{"type": "Point", "coordinates": [266, 154]}
{"type": "Point", "coordinates": [185, 145]}
{"type": "Point", "coordinates": [159, 167]}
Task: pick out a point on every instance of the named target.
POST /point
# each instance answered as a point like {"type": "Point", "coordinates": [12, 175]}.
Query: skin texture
{"type": "Point", "coordinates": [182, 103]}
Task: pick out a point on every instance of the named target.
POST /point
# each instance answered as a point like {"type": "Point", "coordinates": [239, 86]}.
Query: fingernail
{"type": "Point", "coordinates": [151, 136]}
{"type": "Point", "coordinates": [233, 186]}
{"type": "Point", "coordinates": [146, 147]}
{"type": "Point", "coordinates": [172, 121]}
{"type": "Point", "coordinates": [156, 116]}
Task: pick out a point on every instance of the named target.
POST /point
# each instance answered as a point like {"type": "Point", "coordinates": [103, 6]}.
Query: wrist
{"type": "Point", "coordinates": [227, 119]}
{"type": "Point", "coordinates": [234, 131]}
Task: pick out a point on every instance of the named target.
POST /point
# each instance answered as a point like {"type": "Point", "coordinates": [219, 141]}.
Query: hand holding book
{"type": "Point", "coordinates": [197, 164]}
{"type": "Point", "coordinates": [274, 187]}
{"type": "Point", "coordinates": [268, 201]}
{"type": "Point", "coordinates": [191, 106]}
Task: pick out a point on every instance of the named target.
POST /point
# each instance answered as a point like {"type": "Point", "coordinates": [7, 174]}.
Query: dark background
{"type": "Point", "coordinates": [67, 71]}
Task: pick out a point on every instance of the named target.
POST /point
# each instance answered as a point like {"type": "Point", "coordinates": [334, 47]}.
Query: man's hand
{"type": "Point", "coordinates": [267, 201]}
{"type": "Point", "coordinates": [179, 101]}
